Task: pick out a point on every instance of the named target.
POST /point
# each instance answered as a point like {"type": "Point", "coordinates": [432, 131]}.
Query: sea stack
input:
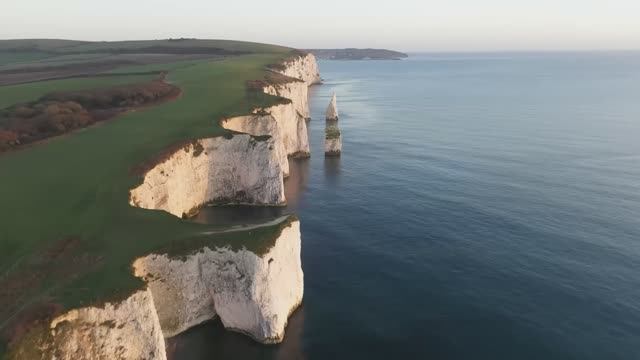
{"type": "Point", "coordinates": [332, 135]}
{"type": "Point", "coordinates": [332, 109]}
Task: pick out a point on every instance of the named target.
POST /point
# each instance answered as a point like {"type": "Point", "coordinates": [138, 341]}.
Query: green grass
{"type": "Point", "coordinates": [71, 46]}
{"type": "Point", "coordinates": [223, 44]}
{"type": "Point", "coordinates": [14, 94]}
{"type": "Point", "coordinates": [332, 132]}
{"type": "Point", "coordinates": [21, 57]}
{"type": "Point", "coordinates": [37, 44]}
{"type": "Point", "coordinates": [77, 186]}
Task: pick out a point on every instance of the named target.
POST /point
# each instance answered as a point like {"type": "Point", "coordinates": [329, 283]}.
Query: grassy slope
{"type": "Point", "coordinates": [13, 94]}
{"type": "Point", "coordinates": [71, 46]}
{"type": "Point", "coordinates": [78, 185]}
{"type": "Point", "coordinates": [19, 57]}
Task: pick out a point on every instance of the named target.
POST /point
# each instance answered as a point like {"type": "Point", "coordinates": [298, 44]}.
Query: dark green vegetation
{"type": "Point", "coordinates": [67, 233]}
{"type": "Point", "coordinates": [332, 132]}
{"type": "Point", "coordinates": [61, 112]}
{"type": "Point", "coordinates": [357, 54]}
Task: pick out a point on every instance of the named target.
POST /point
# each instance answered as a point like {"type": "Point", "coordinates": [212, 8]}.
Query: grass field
{"type": "Point", "coordinates": [14, 94]}
{"type": "Point", "coordinates": [19, 57]}
{"type": "Point", "coordinates": [67, 233]}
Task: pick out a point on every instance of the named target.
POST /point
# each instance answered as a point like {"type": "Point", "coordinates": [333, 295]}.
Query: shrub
{"type": "Point", "coordinates": [8, 139]}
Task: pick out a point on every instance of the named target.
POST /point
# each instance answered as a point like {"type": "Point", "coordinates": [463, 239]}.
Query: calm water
{"type": "Point", "coordinates": [485, 207]}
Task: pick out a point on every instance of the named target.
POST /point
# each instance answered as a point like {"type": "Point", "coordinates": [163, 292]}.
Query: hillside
{"type": "Point", "coordinates": [68, 234]}
{"type": "Point", "coordinates": [357, 54]}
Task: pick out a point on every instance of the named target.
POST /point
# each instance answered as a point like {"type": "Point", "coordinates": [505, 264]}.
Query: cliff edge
{"type": "Point", "coordinates": [251, 278]}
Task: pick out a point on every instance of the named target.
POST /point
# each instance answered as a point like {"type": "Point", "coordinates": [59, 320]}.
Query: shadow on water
{"type": "Point", "coordinates": [211, 341]}
{"type": "Point", "coordinates": [294, 187]}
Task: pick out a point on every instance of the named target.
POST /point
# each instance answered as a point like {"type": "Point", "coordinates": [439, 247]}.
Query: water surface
{"type": "Point", "coordinates": [485, 207]}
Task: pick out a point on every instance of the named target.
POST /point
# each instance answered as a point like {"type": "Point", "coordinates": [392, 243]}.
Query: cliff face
{"type": "Point", "coordinates": [240, 170]}
{"type": "Point", "coordinates": [252, 294]}
{"type": "Point", "coordinates": [333, 136]}
{"type": "Point", "coordinates": [333, 146]}
{"type": "Point", "coordinates": [290, 129]}
{"type": "Point", "coordinates": [305, 68]}
{"type": "Point", "coordinates": [332, 110]}
{"type": "Point", "coordinates": [129, 329]}
{"type": "Point", "coordinates": [263, 125]}
{"type": "Point", "coordinates": [297, 92]}
{"type": "Point", "coordinates": [293, 129]}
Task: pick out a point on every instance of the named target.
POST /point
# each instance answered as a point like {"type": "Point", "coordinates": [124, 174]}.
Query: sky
{"type": "Point", "coordinates": [406, 25]}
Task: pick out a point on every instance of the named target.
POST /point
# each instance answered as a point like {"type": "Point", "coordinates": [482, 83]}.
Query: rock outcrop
{"type": "Point", "coordinates": [304, 67]}
{"type": "Point", "coordinates": [294, 90]}
{"type": "Point", "coordinates": [242, 169]}
{"type": "Point", "coordinates": [253, 294]}
{"type": "Point", "coordinates": [332, 135]}
{"type": "Point", "coordinates": [128, 329]}
{"type": "Point", "coordinates": [332, 141]}
{"type": "Point", "coordinates": [290, 118]}
{"type": "Point", "coordinates": [252, 290]}
{"type": "Point", "coordinates": [332, 109]}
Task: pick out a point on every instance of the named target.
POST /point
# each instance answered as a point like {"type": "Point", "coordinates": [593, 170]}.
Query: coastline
{"type": "Point", "coordinates": [58, 339]}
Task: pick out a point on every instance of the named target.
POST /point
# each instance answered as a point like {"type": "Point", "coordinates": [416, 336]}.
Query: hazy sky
{"type": "Point", "coordinates": [410, 25]}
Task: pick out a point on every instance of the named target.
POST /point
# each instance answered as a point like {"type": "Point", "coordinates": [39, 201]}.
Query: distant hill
{"type": "Point", "coordinates": [357, 54]}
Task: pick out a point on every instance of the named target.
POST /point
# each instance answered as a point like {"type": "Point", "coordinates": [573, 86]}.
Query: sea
{"type": "Point", "coordinates": [485, 206]}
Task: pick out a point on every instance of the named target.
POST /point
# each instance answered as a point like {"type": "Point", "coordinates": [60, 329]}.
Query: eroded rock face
{"type": "Point", "coordinates": [333, 136]}
{"type": "Point", "coordinates": [304, 68]}
{"type": "Point", "coordinates": [293, 129]}
{"type": "Point", "coordinates": [126, 330]}
{"type": "Point", "coordinates": [332, 110]}
{"type": "Point", "coordinates": [297, 92]}
{"type": "Point", "coordinates": [240, 170]}
{"type": "Point", "coordinates": [262, 125]}
{"type": "Point", "coordinates": [253, 294]}
{"type": "Point", "coordinates": [333, 146]}
{"type": "Point", "coordinates": [290, 119]}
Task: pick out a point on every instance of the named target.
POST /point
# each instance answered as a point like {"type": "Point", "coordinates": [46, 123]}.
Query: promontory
{"type": "Point", "coordinates": [106, 150]}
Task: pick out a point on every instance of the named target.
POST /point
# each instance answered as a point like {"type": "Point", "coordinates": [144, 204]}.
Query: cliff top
{"type": "Point", "coordinates": [68, 235]}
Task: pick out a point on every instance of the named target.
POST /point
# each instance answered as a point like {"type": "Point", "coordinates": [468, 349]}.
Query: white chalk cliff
{"type": "Point", "coordinates": [252, 294]}
{"type": "Point", "coordinates": [333, 136]}
{"type": "Point", "coordinates": [332, 109]}
{"type": "Point", "coordinates": [251, 291]}
{"type": "Point", "coordinates": [290, 118]}
{"type": "Point", "coordinates": [304, 67]}
{"type": "Point", "coordinates": [242, 169]}
{"type": "Point", "coordinates": [128, 329]}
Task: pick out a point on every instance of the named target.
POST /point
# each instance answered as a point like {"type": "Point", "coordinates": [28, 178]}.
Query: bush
{"type": "Point", "coordinates": [58, 113]}
{"type": "Point", "coordinates": [8, 139]}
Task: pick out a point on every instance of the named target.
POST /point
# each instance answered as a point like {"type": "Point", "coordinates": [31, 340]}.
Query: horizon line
{"type": "Point", "coordinates": [422, 51]}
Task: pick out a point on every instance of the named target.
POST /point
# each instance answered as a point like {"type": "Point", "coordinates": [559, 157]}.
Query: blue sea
{"type": "Point", "coordinates": [486, 206]}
